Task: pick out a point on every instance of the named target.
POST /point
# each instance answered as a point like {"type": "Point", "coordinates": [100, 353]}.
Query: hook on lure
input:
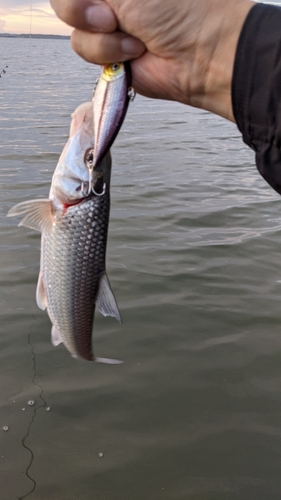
{"type": "Point", "coordinates": [103, 190]}
{"type": "Point", "coordinates": [90, 165]}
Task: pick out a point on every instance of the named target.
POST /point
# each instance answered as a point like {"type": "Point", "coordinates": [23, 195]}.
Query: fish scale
{"type": "Point", "coordinates": [73, 261]}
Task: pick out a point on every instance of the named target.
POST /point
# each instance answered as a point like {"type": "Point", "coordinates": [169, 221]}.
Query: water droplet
{"type": "Point", "coordinates": [48, 408]}
{"type": "Point", "coordinates": [5, 428]}
{"type": "Point", "coordinates": [100, 455]}
{"type": "Point", "coordinates": [30, 402]}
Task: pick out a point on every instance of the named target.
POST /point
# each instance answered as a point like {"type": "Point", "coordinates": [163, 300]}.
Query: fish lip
{"type": "Point", "coordinates": [77, 202]}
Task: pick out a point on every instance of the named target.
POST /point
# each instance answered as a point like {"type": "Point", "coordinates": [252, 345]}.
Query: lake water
{"type": "Point", "coordinates": [193, 257]}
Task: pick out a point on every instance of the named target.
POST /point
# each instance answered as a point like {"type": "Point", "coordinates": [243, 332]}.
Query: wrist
{"type": "Point", "coordinates": [212, 68]}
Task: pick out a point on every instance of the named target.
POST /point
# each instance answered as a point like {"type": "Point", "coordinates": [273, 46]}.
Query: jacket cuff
{"type": "Point", "coordinates": [256, 89]}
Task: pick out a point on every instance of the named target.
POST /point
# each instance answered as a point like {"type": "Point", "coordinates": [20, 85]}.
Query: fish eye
{"type": "Point", "coordinates": [89, 158]}
{"type": "Point", "coordinates": [115, 66]}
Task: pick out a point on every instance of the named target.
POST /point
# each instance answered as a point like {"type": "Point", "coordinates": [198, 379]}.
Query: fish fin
{"type": "Point", "coordinates": [105, 361]}
{"type": "Point", "coordinates": [109, 361]}
{"type": "Point", "coordinates": [56, 337]}
{"type": "Point", "coordinates": [83, 114]}
{"type": "Point", "coordinates": [38, 214]}
{"type": "Point", "coordinates": [41, 298]}
{"type": "Point", "coordinates": [106, 302]}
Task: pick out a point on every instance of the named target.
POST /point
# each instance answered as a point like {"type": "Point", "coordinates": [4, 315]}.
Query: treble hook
{"type": "Point", "coordinates": [89, 164]}
{"type": "Point", "coordinates": [103, 190]}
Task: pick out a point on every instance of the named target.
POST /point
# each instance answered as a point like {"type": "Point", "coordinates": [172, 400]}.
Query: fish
{"type": "Point", "coordinates": [111, 98]}
{"type": "Point", "coordinates": [73, 222]}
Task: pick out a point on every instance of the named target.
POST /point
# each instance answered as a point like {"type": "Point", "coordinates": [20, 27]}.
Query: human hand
{"type": "Point", "coordinates": [181, 51]}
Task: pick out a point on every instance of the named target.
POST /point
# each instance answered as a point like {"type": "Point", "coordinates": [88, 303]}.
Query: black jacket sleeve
{"type": "Point", "coordinates": [256, 89]}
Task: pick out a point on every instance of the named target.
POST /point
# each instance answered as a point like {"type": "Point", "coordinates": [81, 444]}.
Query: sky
{"type": "Point", "coordinates": [18, 16]}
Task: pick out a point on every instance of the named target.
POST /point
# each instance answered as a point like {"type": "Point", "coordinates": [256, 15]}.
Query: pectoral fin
{"type": "Point", "coordinates": [56, 337]}
{"type": "Point", "coordinates": [38, 214]}
{"type": "Point", "coordinates": [106, 302]}
{"type": "Point", "coordinates": [41, 298]}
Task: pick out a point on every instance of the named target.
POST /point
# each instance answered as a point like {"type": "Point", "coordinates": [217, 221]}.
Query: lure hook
{"type": "Point", "coordinates": [89, 161]}
{"type": "Point", "coordinates": [131, 93]}
{"type": "Point", "coordinates": [103, 191]}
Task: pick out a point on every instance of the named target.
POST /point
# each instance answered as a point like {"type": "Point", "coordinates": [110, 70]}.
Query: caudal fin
{"type": "Point", "coordinates": [108, 361]}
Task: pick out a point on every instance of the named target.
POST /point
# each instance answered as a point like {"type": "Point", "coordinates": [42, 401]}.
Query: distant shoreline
{"type": "Point", "coordinates": [23, 35]}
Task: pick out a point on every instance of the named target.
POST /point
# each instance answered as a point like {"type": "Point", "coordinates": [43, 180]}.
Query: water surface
{"type": "Point", "coordinates": [194, 261]}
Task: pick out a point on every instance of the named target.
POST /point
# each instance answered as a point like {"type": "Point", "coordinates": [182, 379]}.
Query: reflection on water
{"type": "Point", "coordinates": [194, 260]}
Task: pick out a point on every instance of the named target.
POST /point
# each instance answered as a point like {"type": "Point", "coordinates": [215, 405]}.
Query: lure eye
{"type": "Point", "coordinates": [115, 66]}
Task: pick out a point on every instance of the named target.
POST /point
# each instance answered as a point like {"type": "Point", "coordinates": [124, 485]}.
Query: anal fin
{"type": "Point", "coordinates": [56, 337]}
{"type": "Point", "coordinates": [106, 302]}
{"type": "Point", "coordinates": [41, 298]}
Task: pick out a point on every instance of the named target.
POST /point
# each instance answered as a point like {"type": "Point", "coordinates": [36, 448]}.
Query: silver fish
{"type": "Point", "coordinates": [74, 224]}
{"type": "Point", "coordinates": [111, 98]}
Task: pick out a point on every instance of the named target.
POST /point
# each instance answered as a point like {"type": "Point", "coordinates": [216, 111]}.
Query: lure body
{"type": "Point", "coordinates": [110, 104]}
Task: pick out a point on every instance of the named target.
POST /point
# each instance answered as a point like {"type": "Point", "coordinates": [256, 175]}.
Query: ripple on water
{"type": "Point", "coordinates": [194, 261]}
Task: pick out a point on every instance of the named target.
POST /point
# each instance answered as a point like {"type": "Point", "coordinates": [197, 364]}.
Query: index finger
{"type": "Point", "coordinates": [88, 15]}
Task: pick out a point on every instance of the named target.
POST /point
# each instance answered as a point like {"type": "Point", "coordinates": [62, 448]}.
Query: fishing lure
{"type": "Point", "coordinates": [111, 98]}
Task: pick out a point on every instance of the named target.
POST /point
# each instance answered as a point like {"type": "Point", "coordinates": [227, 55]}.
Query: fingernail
{"type": "Point", "coordinates": [101, 18]}
{"type": "Point", "coordinates": [132, 47]}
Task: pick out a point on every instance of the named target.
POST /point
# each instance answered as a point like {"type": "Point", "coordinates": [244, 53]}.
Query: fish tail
{"type": "Point", "coordinates": [108, 361]}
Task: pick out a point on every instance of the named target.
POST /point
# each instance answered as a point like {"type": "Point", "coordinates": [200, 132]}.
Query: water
{"type": "Point", "coordinates": [194, 260]}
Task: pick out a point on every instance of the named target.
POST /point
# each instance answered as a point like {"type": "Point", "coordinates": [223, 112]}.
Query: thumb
{"type": "Point", "coordinates": [88, 15]}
